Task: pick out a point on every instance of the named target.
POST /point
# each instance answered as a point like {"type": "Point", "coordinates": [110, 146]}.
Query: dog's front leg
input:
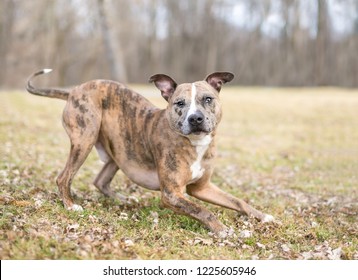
{"type": "Point", "coordinates": [174, 199]}
{"type": "Point", "coordinates": [211, 193]}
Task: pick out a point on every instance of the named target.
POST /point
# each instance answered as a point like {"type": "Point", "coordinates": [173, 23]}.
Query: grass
{"type": "Point", "coordinates": [290, 152]}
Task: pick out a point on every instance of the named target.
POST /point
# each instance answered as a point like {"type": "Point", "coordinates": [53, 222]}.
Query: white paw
{"type": "Point", "coordinates": [268, 219]}
{"type": "Point", "coordinates": [127, 200]}
{"type": "Point", "coordinates": [75, 207]}
{"type": "Point", "coordinates": [133, 199]}
{"type": "Point", "coordinates": [228, 232]}
{"type": "Point", "coordinates": [221, 234]}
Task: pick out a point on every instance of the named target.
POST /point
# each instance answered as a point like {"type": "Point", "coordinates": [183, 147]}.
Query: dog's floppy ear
{"type": "Point", "coordinates": [165, 84]}
{"type": "Point", "coordinates": [217, 79]}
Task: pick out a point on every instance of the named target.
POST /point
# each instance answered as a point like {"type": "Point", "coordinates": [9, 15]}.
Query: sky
{"type": "Point", "coordinates": [342, 18]}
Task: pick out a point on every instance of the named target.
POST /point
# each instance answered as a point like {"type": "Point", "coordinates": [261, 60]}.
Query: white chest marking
{"type": "Point", "coordinates": [201, 146]}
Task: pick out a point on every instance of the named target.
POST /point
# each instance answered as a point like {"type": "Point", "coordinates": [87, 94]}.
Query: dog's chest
{"type": "Point", "coordinates": [201, 147]}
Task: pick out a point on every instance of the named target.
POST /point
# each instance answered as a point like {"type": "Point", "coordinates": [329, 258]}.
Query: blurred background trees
{"type": "Point", "coordinates": [264, 42]}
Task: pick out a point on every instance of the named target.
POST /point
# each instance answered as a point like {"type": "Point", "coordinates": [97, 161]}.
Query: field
{"type": "Point", "coordinates": [292, 153]}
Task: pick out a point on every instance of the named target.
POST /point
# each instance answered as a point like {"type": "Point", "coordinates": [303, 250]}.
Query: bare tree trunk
{"type": "Point", "coordinates": [322, 41]}
{"type": "Point", "coordinates": [152, 39]}
{"type": "Point", "coordinates": [212, 33]}
{"type": "Point", "coordinates": [7, 9]}
{"type": "Point", "coordinates": [113, 53]}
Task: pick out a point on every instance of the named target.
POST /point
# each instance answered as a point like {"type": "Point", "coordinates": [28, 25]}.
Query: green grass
{"type": "Point", "coordinates": [292, 153]}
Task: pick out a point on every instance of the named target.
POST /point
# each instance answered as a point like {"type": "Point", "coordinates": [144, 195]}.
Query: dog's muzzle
{"type": "Point", "coordinates": [196, 123]}
{"type": "Point", "coordinates": [195, 120]}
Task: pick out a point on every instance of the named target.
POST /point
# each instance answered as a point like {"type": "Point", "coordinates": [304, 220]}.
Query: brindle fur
{"type": "Point", "coordinates": [145, 142]}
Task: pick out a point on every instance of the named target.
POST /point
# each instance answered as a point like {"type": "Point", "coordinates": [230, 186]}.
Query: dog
{"type": "Point", "coordinates": [169, 150]}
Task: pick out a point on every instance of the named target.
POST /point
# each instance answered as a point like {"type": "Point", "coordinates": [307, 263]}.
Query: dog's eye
{"type": "Point", "coordinates": [208, 100]}
{"type": "Point", "coordinates": [180, 104]}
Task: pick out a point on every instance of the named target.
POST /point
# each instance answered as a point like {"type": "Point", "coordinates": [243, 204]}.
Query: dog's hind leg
{"type": "Point", "coordinates": [83, 133]}
{"type": "Point", "coordinates": [78, 155]}
{"type": "Point", "coordinates": [105, 176]}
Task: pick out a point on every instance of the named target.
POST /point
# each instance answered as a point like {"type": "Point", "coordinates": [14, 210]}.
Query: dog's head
{"type": "Point", "coordinates": [193, 108]}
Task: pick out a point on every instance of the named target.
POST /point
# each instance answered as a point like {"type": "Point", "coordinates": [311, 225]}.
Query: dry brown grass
{"type": "Point", "coordinates": [291, 152]}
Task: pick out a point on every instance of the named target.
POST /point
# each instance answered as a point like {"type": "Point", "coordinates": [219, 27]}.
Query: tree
{"type": "Point", "coordinates": [113, 51]}
{"type": "Point", "coordinates": [322, 43]}
{"type": "Point", "coordinates": [7, 10]}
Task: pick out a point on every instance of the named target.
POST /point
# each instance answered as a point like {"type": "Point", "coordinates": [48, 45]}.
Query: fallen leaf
{"type": "Point", "coordinates": [128, 243]}
{"type": "Point", "coordinates": [227, 243]}
{"type": "Point", "coordinates": [38, 203]}
{"type": "Point", "coordinates": [155, 217]}
{"type": "Point", "coordinates": [245, 234]}
{"type": "Point", "coordinates": [335, 254]}
{"type": "Point", "coordinates": [314, 224]}
{"type": "Point", "coordinates": [307, 255]}
{"type": "Point", "coordinates": [92, 218]}
{"type": "Point", "coordinates": [21, 203]}
{"type": "Point", "coordinates": [202, 241]}
{"type": "Point", "coordinates": [11, 235]}
{"type": "Point", "coordinates": [6, 198]}
{"type": "Point", "coordinates": [72, 228]}
{"type": "Point", "coordinates": [285, 248]}
{"type": "Point", "coordinates": [123, 216]}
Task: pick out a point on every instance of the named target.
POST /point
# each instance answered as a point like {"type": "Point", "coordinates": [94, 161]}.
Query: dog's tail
{"type": "Point", "coordinates": [48, 92]}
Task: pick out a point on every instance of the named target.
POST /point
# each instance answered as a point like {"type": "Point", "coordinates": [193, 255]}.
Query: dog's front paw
{"type": "Point", "coordinates": [268, 219]}
{"type": "Point", "coordinates": [127, 200]}
{"type": "Point", "coordinates": [75, 207]}
{"type": "Point", "coordinates": [132, 200]}
{"type": "Point", "coordinates": [226, 233]}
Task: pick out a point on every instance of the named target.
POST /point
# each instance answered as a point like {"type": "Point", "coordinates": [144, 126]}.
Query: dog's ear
{"type": "Point", "coordinates": [165, 84]}
{"type": "Point", "coordinates": [217, 79]}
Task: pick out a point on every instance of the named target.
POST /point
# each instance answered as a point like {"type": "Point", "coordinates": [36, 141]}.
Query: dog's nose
{"type": "Point", "coordinates": [196, 119]}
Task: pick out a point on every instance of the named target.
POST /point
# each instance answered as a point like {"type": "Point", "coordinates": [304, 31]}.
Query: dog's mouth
{"type": "Point", "coordinates": [186, 129]}
{"type": "Point", "coordinates": [198, 131]}
{"type": "Point", "coordinates": [198, 137]}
